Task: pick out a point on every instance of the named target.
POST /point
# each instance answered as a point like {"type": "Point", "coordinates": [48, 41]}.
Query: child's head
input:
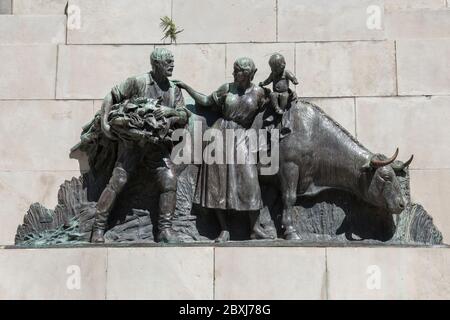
{"type": "Point", "coordinates": [277, 62]}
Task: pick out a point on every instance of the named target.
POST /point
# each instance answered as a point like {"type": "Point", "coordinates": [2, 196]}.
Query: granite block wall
{"type": "Point", "coordinates": [381, 68]}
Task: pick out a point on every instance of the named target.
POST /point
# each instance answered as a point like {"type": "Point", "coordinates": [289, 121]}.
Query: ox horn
{"type": "Point", "coordinates": [403, 166]}
{"type": "Point", "coordinates": [381, 163]}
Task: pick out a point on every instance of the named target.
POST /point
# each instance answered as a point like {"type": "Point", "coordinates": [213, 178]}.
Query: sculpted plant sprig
{"type": "Point", "coordinates": [169, 28]}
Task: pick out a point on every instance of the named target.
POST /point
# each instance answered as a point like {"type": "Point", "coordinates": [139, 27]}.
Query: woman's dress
{"type": "Point", "coordinates": [225, 185]}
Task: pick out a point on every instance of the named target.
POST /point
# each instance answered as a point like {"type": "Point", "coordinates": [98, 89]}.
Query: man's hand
{"type": "Point", "coordinates": [163, 111]}
{"type": "Point", "coordinates": [106, 129]}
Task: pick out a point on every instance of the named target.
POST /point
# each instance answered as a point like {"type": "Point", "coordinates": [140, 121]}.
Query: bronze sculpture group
{"type": "Point", "coordinates": [326, 186]}
{"type": "Point", "coordinates": [315, 152]}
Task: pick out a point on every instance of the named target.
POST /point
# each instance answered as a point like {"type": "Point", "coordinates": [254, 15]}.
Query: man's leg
{"type": "Point", "coordinates": [127, 159]}
{"type": "Point", "coordinates": [106, 202]}
{"type": "Point", "coordinates": [167, 201]}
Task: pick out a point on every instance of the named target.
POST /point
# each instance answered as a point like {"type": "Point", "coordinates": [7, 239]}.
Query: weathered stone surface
{"type": "Point", "coordinates": [388, 273]}
{"type": "Point", "coordinates": [260, 53]}
{"type": "Point", "coordinates": [38, 135]}
{"type": "Point", "coordinates": [423, 67]}
{"type": "Point", "coordinates": [20, 189]}
{"type": "Point", "coordinates": [270, 273]}
{"type": "Point", "coordinates": [116, 22]}
{"type": "Point", "coordinates": [160, 273]}
{"type": "Point", "coordinates": [206, 21]}
{"type": "Point", "coordinates": [416, 125]}
{"type": "Point", "coordinates": [28, 72]}
{"type": "Point", "coordinates": [393, 5]}
{"type": "Point", "coordinates": [35, 7]}
{"type": "Point", "coordinates": [338, 69]}
{"type": "Point", "coordinates": [32, 29]}
{"type": "Point", "coordinates": [53, 274]}
{"type": "Point", "coordinates": [89, 72]}
{"type": "Point", "coordinates": [430, 188]}
{"type": "Point", "coordinates": [112, 64]}
{"type": "Point", "coordinates": [323, 20]}
{"type": "Point", "coordinates": [418, 24]}
{"type": "Point", "coordinates": [340, 109]}
{"type": "Point", "coordinates": [201, 66]}
{"type": "Point", "coordinates": [5, 6]}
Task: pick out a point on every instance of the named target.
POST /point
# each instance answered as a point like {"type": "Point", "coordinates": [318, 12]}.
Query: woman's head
{"type": "Point", "coordinates": [244, 70]}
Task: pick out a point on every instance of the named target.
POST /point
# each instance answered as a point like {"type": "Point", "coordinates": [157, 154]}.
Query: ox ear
{"type": "Point", "coordinates": [367, 166]}
{"type": "Point", "coordinates": [401, 166]}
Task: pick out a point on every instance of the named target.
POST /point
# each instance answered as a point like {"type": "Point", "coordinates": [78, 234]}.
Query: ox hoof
{"type": "Point", "coordinates": [224, 236]}
{"type": "Point", "coordinates": [292, 236]}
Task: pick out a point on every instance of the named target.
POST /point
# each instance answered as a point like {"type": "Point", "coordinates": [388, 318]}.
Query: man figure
{"type": "Point", "coordinates": [154, 85]}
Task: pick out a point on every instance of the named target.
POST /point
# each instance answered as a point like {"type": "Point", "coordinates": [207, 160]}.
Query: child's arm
{"type": "Point", "coordinates": [290, 76]}
{"type": "Point", "coordinates": [267, 81]}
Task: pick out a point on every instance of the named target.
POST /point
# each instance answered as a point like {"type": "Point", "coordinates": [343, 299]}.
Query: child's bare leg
{"type": "Point", "coordinates": [283, 97]}
{"type": "Point", "coordinates": [274, 100]}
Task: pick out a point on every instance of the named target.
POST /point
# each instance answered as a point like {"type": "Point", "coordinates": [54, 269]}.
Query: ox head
{"type": "Point", "coordinates": [383, 187]}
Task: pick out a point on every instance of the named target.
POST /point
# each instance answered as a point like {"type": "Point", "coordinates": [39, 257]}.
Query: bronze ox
{"type": "Point", "coordinates": [320, 154]}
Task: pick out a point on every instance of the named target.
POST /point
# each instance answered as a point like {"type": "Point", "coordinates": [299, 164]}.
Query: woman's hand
{"type": "Point", "coordinates": [180, 84]}
{"type": "Point", "coordinates": [198, 97]}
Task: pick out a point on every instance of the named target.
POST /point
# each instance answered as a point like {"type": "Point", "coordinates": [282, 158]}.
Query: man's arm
{"type": "Point", "coordinates": [118, 93]}
{"type": "Point", "coordinates": [106, 108]}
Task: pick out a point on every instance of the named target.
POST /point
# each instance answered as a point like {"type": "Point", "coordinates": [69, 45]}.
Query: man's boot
{"type": "Point", "coordinates": [103, 207]}
{"type": "Point", "coordinates": [106, 202]}
{"type": "Point", "coordinates": [167, 236]}
{"type": "Point", "coordinates": [97, 236]}
{"type": "Point", "coordinates": [167, 202]}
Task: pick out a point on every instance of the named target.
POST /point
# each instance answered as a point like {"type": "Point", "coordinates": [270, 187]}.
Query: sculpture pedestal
{"type": "Point", "coordinates": [204, 271]}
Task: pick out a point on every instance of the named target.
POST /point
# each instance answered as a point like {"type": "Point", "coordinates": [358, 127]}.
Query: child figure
{"type": "Point", "coordinates": [280, 79]}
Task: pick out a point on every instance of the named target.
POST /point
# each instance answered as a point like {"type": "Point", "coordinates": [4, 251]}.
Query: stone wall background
{"type": "Point", "coordinates": [225, 273]}
{"type": "Point", "coordinates": [389, 87]}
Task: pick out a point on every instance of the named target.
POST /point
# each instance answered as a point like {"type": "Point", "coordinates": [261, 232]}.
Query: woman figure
{"type": "Point", "coordinates": [232, 188]}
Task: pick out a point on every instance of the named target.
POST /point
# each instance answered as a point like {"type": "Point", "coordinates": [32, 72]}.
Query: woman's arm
{"type": "Point", "coordinates": [199, 98]}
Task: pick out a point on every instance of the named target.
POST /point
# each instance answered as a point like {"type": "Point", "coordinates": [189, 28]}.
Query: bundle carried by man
{"type": "Point", "coordinates": [134, 120]}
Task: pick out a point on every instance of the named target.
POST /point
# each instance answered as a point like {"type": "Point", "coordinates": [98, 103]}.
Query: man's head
{"type": "Point", "coordinates": [162, 62]}
{"type": "Point", "coordinates": [277, 63]}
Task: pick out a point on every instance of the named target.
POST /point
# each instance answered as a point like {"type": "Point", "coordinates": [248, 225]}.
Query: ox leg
{"type": "Point", "coordinates": [289, 180]}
